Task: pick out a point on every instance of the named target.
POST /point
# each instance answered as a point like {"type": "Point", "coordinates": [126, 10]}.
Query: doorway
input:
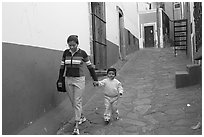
{"type": "Point", "coordinates": [99, 35]}
{"type": "Point", "coordinates": [149, 36]}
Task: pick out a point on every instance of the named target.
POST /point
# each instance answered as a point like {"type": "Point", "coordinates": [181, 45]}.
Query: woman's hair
{"type": "Point", "coordinates": [73, 38]}
{"type": "Point", "coordinates": [112, 69]}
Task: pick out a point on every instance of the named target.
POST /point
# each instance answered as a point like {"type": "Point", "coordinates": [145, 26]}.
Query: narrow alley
{"type": "Point", "coordinates": [151, 105]}
{"type": "Point", "coordinates": [156, 48]}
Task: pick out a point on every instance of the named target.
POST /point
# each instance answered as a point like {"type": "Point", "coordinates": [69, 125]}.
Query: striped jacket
{"type": "Point", "coordinates": [73, 64]}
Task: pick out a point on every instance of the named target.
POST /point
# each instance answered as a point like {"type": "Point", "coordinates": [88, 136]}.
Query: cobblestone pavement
{"type": "Point", "coordinates": [151, 105]}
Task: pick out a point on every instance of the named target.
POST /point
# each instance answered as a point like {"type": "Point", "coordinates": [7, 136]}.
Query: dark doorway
{"type": "Point", "coordinates": [149, 36]}
{"type": "Point", "coordinates": [99, 35]}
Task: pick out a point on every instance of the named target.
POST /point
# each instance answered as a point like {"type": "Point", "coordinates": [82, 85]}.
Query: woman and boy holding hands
{"type": "Point", "coordinates": [72, 68]}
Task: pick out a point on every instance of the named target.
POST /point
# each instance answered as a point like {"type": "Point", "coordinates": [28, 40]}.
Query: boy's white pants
{"type": "Point", "coordinates": [75, 87]}
{"type": "Point", "coordinates": [110, 107]}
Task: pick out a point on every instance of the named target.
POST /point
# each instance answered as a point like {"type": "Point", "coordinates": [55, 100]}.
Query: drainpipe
{"type": "Point", "coordinates": [173, 21]}
{"type": "Point", "coordinates": [173, 9]}
{"type": "Point", "coordinates": [158, 24]}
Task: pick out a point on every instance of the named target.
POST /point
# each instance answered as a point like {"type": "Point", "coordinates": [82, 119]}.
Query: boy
{"type": "Point", "coordinates": [112, 91]}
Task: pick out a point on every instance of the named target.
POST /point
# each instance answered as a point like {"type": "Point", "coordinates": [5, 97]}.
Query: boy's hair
{"type": "Point", "coordinates": [112, 69]}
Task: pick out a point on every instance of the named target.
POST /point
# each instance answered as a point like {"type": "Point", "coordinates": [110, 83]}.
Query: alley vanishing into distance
{"type": "Point", "coordinates": [151, 104]}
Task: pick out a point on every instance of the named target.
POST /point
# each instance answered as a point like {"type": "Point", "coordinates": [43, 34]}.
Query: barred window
{"type": "Point", "coordinates": [177, 5]}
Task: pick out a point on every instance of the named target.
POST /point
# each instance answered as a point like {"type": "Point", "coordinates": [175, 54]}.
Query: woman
{"type": "Point", "coordinates": [72, 64]}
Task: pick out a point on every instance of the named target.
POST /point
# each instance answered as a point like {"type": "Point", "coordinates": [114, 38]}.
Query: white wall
{"type": "Point", "coordinates": [112, 23]}
{"type": "Point", "coordinates": [169, 9]}
{"type": "Point", "coordinates": [131, 19]}
{"type": "Point", "coordinates": [143, 6]}
{"type": "Point", "coordinates": [193, 30]}
{"type": "Point", "coordinates": [45, 24]}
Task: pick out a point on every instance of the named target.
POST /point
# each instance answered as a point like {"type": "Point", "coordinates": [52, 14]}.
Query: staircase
{"type": "Point", "coordinates": [180, 35]}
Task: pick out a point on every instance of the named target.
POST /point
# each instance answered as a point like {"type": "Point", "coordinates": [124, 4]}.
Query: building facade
{"type": "Point", "coordinates": [194, 13]}
{"type": "Point", "coordinates": [155, 26]}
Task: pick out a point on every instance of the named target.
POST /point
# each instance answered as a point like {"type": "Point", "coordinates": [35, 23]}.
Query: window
{"type": "Point", "coordinates": [128, 37]}
{"type": "Point", "coordinates": [177, 5]}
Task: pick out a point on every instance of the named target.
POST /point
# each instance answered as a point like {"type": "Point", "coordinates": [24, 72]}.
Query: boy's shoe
{"type": "Point", "coordinates": [82, 120]}
{"type": "Point", "coordinates": [117, 115]}
{"type": "Point", "coordinates": [107, 121]}
{"type": "Point", "coordinates": [117, 118]}
{"type": "Point", "coordinates": [75, 132]}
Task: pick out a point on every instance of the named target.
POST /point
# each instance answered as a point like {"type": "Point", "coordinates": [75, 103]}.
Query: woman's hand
{"type": "Point", "coordinates": [95, 83]}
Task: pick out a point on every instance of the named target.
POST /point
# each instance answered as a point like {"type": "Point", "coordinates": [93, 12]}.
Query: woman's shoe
{"type": "Point", "coordinates": [107, 121]}
{"type": "Point", "coordinates": [82, 120]}
{"type": "Point", "coordinates": [75, 132]}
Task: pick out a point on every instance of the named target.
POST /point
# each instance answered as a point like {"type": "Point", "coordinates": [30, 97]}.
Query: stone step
{"type": "Point", "coordinates": [195, 73]}
{"type": "Point", "coordinates": [182, 79]}
{"type": "Point", "coordinates": [192, 76]}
